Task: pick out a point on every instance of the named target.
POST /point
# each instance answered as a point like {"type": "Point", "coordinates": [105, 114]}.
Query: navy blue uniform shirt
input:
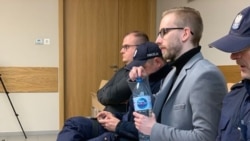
{"type": "Point", "coordinates": [235, 117]}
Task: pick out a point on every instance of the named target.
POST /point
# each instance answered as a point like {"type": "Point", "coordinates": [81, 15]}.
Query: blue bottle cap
{"type": "Point", "coordinates": [138, 79]}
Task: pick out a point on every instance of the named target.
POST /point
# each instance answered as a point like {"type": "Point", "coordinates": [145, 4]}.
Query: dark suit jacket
{"type": "Point", "coordinates": [115, 94]}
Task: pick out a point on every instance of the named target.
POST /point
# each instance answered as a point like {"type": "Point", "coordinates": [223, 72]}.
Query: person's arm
{"type": "Point", "coordinates": [137, 72]}
{"type": "Point", "coordinates": [116, 91]}
{"type": "Point", "coordinates": [127, 129]}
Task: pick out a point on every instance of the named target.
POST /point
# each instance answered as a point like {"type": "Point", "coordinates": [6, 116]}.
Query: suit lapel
{"type": "Point", "coordinates": [161, 95]}
{"type": "Point", "coordinates": [183, 73]}
{"type": "Point", "coordinates": [168, 84]}
{"type": "Point", "coordinates": [177, 82]}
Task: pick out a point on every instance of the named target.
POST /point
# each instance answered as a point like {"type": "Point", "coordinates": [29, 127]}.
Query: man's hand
{"type": "Point", "coordinates": [137, 72]}
{"type": "Point", "coordinates": [107, 120]}
{"type": "Point", "coordinates": [143, 123]}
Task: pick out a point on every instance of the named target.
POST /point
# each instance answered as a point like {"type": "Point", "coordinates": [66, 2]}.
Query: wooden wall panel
{"type": "Point", "coordinates": [137, 15]}
{"type": "Point", "coordinates": [231, 73]}
{"type": "Point", "coordinates": [93, 32]}
{"type": "Point", "coordinates": [90, 48]}
{"type": "Point", "coordinates": [29, 79]}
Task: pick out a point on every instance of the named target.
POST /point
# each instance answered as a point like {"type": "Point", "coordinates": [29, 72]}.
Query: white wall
{"type": "Point", "coordinates": [23, 21]}
{"type": "Point", "coordinates": [217, 15]}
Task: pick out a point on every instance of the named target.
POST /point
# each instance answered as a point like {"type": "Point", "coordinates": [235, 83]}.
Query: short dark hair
{"type": "Point", "coordinates": [141, 35]}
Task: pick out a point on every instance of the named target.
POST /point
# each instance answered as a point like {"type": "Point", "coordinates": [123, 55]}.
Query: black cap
{"type": "Point", "coordinates": [144, 52]}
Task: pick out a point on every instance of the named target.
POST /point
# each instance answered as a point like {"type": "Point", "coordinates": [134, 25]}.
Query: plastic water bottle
{"type": "Point", "coordinates": [142, 102]}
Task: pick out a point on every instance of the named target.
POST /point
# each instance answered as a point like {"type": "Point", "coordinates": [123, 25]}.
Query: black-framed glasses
{"type": "Point", "coordinates": [164, 31]}
{"type": "Point", "coordinates": [127, 46]}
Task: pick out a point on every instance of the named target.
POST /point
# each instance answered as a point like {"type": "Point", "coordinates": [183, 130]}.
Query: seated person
{"type": "Point", "coordinates": [115, 94]}
{"type": "Point", "coordinates": [118, 127]}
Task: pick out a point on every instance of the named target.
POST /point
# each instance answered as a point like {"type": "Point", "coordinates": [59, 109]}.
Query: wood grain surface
{"type": "Point", "coordinates": [231, 73]}
{"type": "Point", "coordinates": [29, 79]}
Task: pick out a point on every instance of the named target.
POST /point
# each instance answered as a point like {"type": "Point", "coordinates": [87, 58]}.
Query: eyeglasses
{"type": "Point", "coordinates": [164, 31]}
{"type": "Point", "coordinates": [127, 46]}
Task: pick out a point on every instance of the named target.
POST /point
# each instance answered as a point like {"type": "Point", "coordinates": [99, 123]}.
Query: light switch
{"type": "Point", "coordinates": [39, 41]}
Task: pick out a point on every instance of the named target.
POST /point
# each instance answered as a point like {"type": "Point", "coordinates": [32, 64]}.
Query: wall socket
{"type": "Point", "coordinates": [46, 41]}
{"type": "Point", "coordinates": [42, 41]}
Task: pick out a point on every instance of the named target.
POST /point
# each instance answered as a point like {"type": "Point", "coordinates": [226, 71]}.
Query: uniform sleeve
{"type": "Point", "coordinates": [127, 130]}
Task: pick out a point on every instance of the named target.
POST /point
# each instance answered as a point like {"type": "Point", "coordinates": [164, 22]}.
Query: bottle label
{"type": "Point", "coordinates": [142, 103]}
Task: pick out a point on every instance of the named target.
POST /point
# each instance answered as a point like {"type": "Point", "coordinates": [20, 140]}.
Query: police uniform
{"type": "Point", "coordinates": [235, 117]}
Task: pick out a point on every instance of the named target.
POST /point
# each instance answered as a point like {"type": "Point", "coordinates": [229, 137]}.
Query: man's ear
{"type": "Point", "coordinates": [186, 34]}
{"type": "Point", "coordinates": [157, 60]}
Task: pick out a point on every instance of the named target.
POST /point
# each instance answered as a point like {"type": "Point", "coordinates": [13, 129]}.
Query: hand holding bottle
{"type": "Point", "coordinates": [144, 124]}
{"type": "Point", "coordinates": [142, 102]}
{"type": "Point", "coordinates": [136, 72]}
